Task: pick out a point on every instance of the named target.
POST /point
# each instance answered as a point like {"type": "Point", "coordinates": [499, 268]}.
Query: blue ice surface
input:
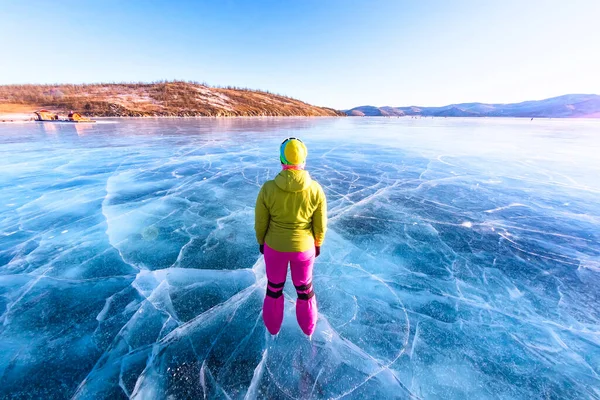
{"type": "Point", "coordinates": [462, 260]}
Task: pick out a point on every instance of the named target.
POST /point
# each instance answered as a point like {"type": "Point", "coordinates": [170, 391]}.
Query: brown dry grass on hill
{"type": "Point", "coordinates": [11, 108]}
{"type": "Point", "coordinates": [176, 98]}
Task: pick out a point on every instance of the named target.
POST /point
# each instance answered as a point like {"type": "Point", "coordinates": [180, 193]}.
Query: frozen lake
{"type": "Point", "coordinates": [462, 260]}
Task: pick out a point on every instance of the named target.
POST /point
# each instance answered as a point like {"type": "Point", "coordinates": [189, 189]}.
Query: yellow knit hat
{"type": "Point", "coordinates": [293, 152]}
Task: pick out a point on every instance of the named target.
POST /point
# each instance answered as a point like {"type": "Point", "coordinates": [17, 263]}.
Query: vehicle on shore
{"type": "Point", "coordinates": [49, 116]}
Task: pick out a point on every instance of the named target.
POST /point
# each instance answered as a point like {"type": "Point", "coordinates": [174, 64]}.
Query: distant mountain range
{"type": "Point", "coordinates": [570, 105]}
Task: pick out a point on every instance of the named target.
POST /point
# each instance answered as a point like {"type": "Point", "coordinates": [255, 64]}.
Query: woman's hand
{"type": "Point", "coordinates": [317, 251]}
{"type": "Point", "coordinates": [261, 248]}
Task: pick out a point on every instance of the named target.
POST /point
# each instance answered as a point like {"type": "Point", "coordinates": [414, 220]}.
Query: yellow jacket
{"type": "Point", "coordinates": [291, 212]}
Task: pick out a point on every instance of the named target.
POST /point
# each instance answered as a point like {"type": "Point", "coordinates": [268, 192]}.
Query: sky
{"type": "Point", "coordinates": [331, 53]}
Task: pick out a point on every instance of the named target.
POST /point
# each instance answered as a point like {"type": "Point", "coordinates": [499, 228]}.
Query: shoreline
{"type": "Point", "coordinates": [15, 117]}
{"type": "Point", "coordinates": [27, 117]}
{"type": "Point", "coordinates": [12, 118]}
{"type": "Point", "coordinates": [8, 118]}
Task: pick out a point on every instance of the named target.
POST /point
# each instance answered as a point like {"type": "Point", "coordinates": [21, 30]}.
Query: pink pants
{"type": "Point", "coordinates": [301, 264]}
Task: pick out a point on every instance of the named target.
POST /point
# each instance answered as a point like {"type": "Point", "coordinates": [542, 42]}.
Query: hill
{"type": "Point", "coordinates": [183, 99]}
{"type": "Point", "coordinates": [570, 105]}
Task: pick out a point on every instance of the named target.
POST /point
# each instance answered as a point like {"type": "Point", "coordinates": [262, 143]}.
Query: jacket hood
{"type": "Point", "coordinates": [293, 180]}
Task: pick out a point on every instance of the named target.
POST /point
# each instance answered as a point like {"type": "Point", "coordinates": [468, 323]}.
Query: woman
{"type": "Point", "coordinates": [290, 224]}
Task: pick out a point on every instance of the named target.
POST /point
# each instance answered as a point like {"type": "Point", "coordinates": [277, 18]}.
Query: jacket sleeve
{"type": "Point", "coordinates": [319, 221]}
{"type": "Point", "coordinates": [261, 217]}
